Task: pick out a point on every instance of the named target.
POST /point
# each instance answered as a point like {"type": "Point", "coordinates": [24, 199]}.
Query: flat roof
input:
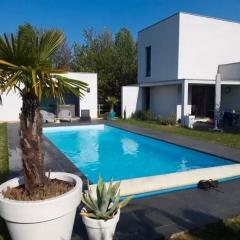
{"type": "Point", "coordinates": [193, 14]}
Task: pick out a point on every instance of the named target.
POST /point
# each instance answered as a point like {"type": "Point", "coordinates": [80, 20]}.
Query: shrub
{"type": "Point", "coordinates": [162, 120]}
{"type": "Point", "coordinates": [147, 116]}
{"type": "Point", "coordinates": [137, 115]}
{"type": "Point", "coordinates": [143, 115]}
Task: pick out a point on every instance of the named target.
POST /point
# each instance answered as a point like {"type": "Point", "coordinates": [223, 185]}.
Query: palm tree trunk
{"type": "Point", "coordinates": [31, 142]}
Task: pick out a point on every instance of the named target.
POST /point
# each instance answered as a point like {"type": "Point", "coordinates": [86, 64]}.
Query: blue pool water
{"type": "Point", "coordinates": [114, 153]}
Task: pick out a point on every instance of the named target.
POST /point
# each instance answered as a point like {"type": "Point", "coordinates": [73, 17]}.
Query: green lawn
{"type": "Point", "coordinates": [3, 171]}
{"type": "Point", "coordinates": [3, 152]}
{"type": "Point", "coordinates": [227, 139]}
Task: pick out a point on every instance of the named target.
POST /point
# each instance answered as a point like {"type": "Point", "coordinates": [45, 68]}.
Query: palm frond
{"type": "Point", "coordinates": [25, 60]}
{"type": "Point", "coordinates": [49, 43]}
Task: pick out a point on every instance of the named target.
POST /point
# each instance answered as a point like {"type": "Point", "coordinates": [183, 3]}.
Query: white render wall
{"type": "Point", "coordinates": [163, 39]}
{"type": "Point", "coordinates": [164, 100]}
{"type": "Point", "coordinates": [10, 108]}
{"type": "Point", "coordinates": [131, 100]}
{"type": "Point", "coordinates": [187, 46]}
{"type": "Point", "coordinates": [90, 100]}
{"type": "Point", "coordinates": [205, 43]}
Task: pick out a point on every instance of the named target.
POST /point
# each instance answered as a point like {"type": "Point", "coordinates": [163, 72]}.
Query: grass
{"type": "Point", "coordinates": [4, 168]}
{"type": "Point", "coordinates": [3, 152]}
{"type": "Point", "coordinates": [228, 229]}
{"type": "Point", "coordinates": [227, 139]}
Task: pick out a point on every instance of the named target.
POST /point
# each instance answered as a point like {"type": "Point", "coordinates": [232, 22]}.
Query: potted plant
{"type": "Point", "coordinates": [36, 206]}
{"type": "Point", "coordinates": [101, 212]}
{"type": "Point", "coordinates": [112, 101]}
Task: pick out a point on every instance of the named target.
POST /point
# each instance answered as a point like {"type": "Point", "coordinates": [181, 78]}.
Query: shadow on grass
{"type": "Point", "coordinates": [223, 230]}
{"type": "Point", "coordinates": [204, 226]}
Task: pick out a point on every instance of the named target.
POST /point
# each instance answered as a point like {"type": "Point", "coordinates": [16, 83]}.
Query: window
{"type": "Point", "coordinates": [148, 61]}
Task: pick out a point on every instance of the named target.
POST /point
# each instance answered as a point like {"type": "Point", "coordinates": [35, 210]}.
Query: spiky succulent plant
{"type": "Point", "coordinates": [105, 203]}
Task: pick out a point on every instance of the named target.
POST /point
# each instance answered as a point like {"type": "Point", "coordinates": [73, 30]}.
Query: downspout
{"type": "Point", "coordinates": [217, 106]}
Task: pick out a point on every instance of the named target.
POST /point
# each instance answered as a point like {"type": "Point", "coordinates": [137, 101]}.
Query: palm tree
{"type": "Point", "coordinates": [112, 101]}
{"type": "Point", "coordinates": [26, 67]}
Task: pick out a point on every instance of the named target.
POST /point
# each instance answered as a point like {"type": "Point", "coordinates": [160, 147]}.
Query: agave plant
{"type": "Point", "coordinates": [105, 204]}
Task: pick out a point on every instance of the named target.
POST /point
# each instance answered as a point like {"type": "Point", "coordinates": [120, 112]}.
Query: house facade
{"type": "Point", "coordinates": [12, 103]}
{"type": "Point", "coordinates": [178, 60]}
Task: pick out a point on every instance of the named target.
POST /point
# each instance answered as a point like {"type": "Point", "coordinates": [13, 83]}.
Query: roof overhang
{"type": "Point", "coordinates": [213, 82]}
{"type": "Point", "coordinates": [190, 81]}
{"type": "Point", "coordinates": [160, 83]}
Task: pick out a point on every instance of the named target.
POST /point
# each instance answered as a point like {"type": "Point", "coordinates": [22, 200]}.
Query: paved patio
{"type": "Point", "coordinates": [156, 216]}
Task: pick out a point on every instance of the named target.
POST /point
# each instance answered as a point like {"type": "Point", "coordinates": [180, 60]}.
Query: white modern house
{"type": "Point", "coordinates": [11, 103]}
{"type": "Point", "coordinates": [178, 60]}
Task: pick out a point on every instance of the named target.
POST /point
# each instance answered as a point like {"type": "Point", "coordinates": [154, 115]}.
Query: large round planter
{"type": "Point", "coordinates": [50, 219]}
{"type": "Point", "coordinates": [100, 229]}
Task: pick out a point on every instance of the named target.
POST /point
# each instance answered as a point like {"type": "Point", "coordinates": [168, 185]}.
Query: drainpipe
{"type": "Point", "coordinates": [184, 109]}
{"type": "Point", "coordinates": [217, 103]}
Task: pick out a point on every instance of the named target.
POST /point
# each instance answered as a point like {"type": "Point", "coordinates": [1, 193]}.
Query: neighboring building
{"type": "Point", "coordinates": [11, 106]}
{"type": "Point", "coordinates": [178, 60]}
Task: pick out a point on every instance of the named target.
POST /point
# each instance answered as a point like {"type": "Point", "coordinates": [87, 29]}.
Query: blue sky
{"type": "Point", "coordinates": [73, 15]}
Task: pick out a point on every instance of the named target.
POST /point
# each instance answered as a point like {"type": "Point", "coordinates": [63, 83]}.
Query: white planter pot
{"type": "Point", "coordinates": [100, 229]}
{"type": "Point", "coordinates": [50, 219]}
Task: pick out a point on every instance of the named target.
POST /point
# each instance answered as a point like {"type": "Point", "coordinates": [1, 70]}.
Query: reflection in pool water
{"type": "Point", "coordinates": [129, 146]}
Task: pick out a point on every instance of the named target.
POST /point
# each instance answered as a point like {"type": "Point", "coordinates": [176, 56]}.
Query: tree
{"type": "Point", "coordinates": [126, 57]}
{"type": "Point", "coordinates": [63, 56]}
{"type": "Point", "coordinates": [113, 59]}
{"type": "Point", "coordinates": [26, 66]}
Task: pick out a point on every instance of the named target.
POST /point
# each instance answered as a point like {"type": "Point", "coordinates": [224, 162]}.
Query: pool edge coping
{"type": "Point", "coordinates": [179, 180]}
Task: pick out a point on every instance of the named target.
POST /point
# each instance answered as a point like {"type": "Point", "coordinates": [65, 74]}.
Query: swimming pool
{"type": "Point", "coordinates": [114, 153]}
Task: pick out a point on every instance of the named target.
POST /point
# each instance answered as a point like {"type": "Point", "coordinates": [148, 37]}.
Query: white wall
{"type": "Point", "coordinates": [230, 97]}
{"type": "Point", "coordinates": [187, 46]}
{"type": "Point", "coordinates": [10, 108]}
{"type": "Point", "coordinates": [163, 100]}
{"type": "Point", "coordinates": [131, 100]}
{"type": "Point", "coordinates": [205, 43]}
{"type": "Point", "coordinates": [90, 100]}
{"type": "Point", "coordinates": [163, 39]}
{"type": "Point", "coordinates": [230, 71]}
{"type": "Point", "coordinates": [188, 106]}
